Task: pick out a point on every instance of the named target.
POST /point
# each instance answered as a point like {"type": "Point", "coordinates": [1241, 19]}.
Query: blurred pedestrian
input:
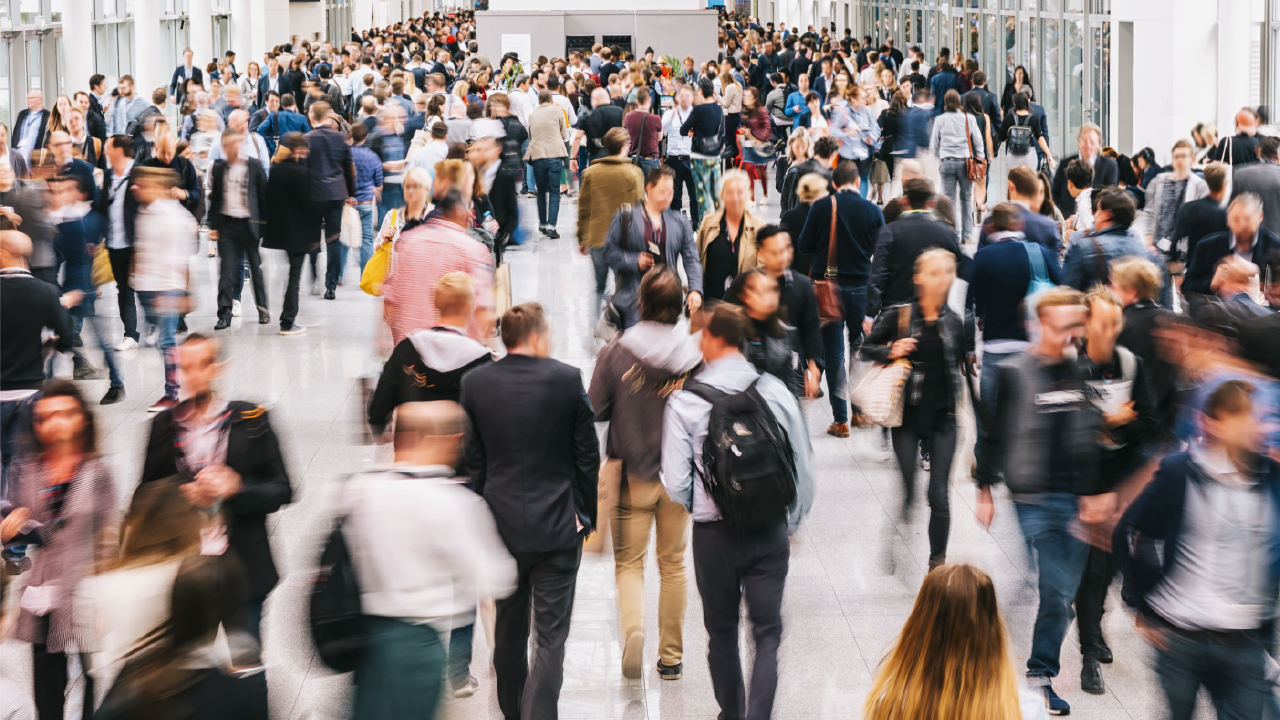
{"type": "Point", "coordinates": [237, 214]}
{"type": "Point", "coordinates": [291, 225]}
{"type": "Point", "coordinates": [608, 184]}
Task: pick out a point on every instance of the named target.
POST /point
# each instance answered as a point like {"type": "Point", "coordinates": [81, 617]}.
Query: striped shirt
{"type": "Point", "coordinates": [419, 258]}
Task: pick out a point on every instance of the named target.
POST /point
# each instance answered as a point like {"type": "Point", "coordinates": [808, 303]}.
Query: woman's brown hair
{"type": "Point", "coordinates": [952, 660]}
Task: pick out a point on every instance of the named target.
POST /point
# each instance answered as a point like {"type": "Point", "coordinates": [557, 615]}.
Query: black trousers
{"type": "Point", "coordinates": [942, 448]}
{"type": "Point", "coordinates": [49, 676]}
{"type": "Point", "coordinates": [684, 179]}
{"type": "Point", "coordinates": [1099, 568]}
{"type": "Point", "coordinates": [545, 584]}
{"type": "Point", "coordinates": [296, 263]}
{"type": "Point", "coordinates": [235, 241]}
{"type": "Point", "coordinates": [121, 264]}
{"type": "Point", "coordinates": [727, 566]}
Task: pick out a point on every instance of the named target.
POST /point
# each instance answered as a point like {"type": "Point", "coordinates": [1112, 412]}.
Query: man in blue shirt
{"type": "Point", "coordinates": [368, 188]}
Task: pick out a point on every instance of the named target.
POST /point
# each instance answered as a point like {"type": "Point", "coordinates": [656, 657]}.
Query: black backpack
{"type": "Point", "coordinates": [749, 468]}
{"type": "Point", "coordinates": [336, 615]}
{"type": "Point", "coordinates": [1018, 138]}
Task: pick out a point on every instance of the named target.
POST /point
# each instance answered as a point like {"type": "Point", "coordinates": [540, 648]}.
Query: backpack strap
{"type": "Point", "coordinates": [706, 392]}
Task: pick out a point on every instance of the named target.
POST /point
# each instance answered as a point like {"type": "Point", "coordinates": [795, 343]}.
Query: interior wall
{"type": "Point", "coordinates": [668, 32]}
{"type": "Point", "coordinates": [305, 19]}
{"type": "Point", "coordinates": [590, 5]}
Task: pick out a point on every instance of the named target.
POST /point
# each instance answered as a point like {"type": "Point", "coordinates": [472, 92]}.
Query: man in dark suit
{"type": "Point", "coordinates": [990, 103]}
{"type": "Point", "coordinates": [226, 455]}
{"type": "Point", "coordinates": [272, 81]}
{"type": "Point", "coordinates": [895, 53]}
{"type": "Point", "coordinates": [1262, 179]}
{"type": "Point", "coordinates": [97, 89]}
{"type": "Point", "coordinates": [1244, 237]}
{"type": "Point", "coordinates": [1024, 185]}
{"type": "Point", "coordinates": [1105, 170]}
{"type": "Point", "coordinates": [534, 458]}
{"type": "Point", "coordinates": [30, 127]}
{"type": "Point", "coordinates": [184, 72]}
{"type": "Point", "coordinates": [1259, 337]}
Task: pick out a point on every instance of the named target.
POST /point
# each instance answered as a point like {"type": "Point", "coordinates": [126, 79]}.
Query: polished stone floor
{"type": "Point", "coordinates": [855, 565]}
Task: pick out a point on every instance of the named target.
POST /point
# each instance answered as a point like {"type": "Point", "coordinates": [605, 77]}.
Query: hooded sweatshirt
{"type": "Point", "coordinates": [634, 376]}
{"type": "Point", "coordinates": [425, 366]}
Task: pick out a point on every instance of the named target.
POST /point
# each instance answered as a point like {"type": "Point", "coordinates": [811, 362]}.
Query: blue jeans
{"type": "Point", "coordinates": [460, 655]}
{"type": "Point", "coordinates": [15, 433]}
{"type": "Point", "coordinates": [988, 381]}
{"type": "Point", "coordinates": [161, 310]}
{"type": "Point", "coordinates": [529, 184]}
{"type": "Point", "coordinates": [1060, 558]}
{"type": "Point", "coordinates": [648, 166]}
{"type": "Point", "coordinates": [366, 234]}
{"type": "Point", "coordinates": [546, 173]}
{"type": "Point", "coordinates": [104, 343]}
{"type": "Point", "coordinates": [392, 198]}
{"type": "Point", "coordinates": [601, 269]}
{"type": "Point", "coordinates": [854, 300]}
{"type": "Point", "coordinates": [1233, 673]}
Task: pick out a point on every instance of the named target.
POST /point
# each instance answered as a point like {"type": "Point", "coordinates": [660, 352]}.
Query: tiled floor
{"type": "Point", "coordinates": [855, 566]}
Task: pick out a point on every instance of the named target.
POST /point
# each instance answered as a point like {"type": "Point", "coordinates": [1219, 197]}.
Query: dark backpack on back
{"type": "Point", "coordinates": [1018, 139]}
{"type": "Point", "coordinates": [336, 615]}
{"type": "Point", "coordinates": [749, 468]}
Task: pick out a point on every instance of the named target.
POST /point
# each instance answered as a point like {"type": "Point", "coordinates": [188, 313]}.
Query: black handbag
{"type": "Point", "coordinates": [336, 615]}
{"type": "Point", "coordinates": [708, 145]}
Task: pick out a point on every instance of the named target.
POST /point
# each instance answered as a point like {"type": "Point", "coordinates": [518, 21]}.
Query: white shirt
{"type": "Point", "coordinates": [164, 240]}
{"type": "Point", "coordinates": [116, 238]}
{"type": "Point", "coordinates": [677, 144]}
{"type": "Point", "coordinates": [1084, 210]}
{"type": "Point", "coordinates": [235, 190]}
{"type": "Point", "coordinates": [571, 116]}
{"type": "Point", "coordinates": [520, 106]}
{"type": "Point", "coordinates": [357, 77]}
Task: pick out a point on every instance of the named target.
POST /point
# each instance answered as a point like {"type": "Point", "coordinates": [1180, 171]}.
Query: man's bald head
{"type": "Point", "coordinates": [429, 433]}
{"type": "Point", "coordinates": [239, 120]}
{"type": "Point", "coordinates": [599, 97]}
{"type": "Point", "coordinates": [15, 248]}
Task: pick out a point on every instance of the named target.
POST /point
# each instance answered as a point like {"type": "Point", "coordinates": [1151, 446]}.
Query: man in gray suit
{"type": "Point", "coordinates": [1263, 180]}
{"type": "Point", "coordinates": [656, 234]}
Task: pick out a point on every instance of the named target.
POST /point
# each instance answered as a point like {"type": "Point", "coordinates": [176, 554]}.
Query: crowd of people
{"type": "Point", "coordinates": [1113, 345]}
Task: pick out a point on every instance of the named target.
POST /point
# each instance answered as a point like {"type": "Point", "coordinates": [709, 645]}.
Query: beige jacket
{"type": "Point", "coordinates": [547, 127]}
{"type": "Point", "coordinates": [710, 228]}
{"type": "Point", "coordinates": [732, 101]}
{"type": "Point", "coordinates": [606, 185]}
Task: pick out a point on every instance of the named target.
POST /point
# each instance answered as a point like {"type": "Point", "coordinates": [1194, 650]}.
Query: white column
{"type": "Point", "coordinates": [77, 36]}
{"type": "Point", "coordinates": [242, 17]}
{"type": "Point", "coordinates": [1233, 62]}
{"type": "Point", "coordinates": [200, 33]}
{"type": "Point", "coordinates": [149, 72]}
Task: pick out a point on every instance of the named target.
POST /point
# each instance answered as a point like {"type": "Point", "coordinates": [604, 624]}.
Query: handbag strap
{"type": "Point", "coordinates": [968, 138]}
{"type": "Point", "coordinates": [635, 156]}
{"type": "Point", "coordinates": [833, 267]}
{"type": "Point", "coordinates": [904, 321]}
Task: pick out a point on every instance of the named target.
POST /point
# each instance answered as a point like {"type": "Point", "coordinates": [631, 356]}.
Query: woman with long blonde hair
{"type": "Point", "coordinates": [952, 660]}
{"type": "Point", "coordinates": [58, 115]}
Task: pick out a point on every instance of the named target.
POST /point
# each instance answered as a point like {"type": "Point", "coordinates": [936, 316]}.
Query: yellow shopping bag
{"type": "Point", "coordinates": [375, 271]}
{"type": "Point", "coordinates": [101, 273]}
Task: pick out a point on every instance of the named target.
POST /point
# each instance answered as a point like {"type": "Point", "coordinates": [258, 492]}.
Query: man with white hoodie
{"type": "Point", "coordinates": [633, 377]}
{"type": "Point", "coordinates": [429, 365]}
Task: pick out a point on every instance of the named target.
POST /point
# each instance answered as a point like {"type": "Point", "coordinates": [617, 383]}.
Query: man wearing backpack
{"type": "Point", "coordinates": [747, 488]}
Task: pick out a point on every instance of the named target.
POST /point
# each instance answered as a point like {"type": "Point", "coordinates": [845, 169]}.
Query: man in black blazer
{"type": "Point", "coordinates": [227, 456]}
{"type": "Point", "coordinates": [990, 104]}
{"type": "Point", "coordinates": [31, 126]}
{"type": "Point", "coordinates": [534, 458]}
{"type": "Point", "coordinates": [1259, 337]}
{"type": "Point", "coordinates": [235, 223]}
{"type": "Point", "coordinates": [1245, 236]}
{"type": "Point", "coordinates": [184, 72]}
{"type": "Point", "coordinates": [97, 89]}
{"type": "Point", "coordinates": [1105, 170]}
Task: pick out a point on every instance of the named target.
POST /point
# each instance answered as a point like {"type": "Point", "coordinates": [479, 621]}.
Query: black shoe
{"type": "Point", "coordinates": [1102, 651]}
{"type": "Point", "coordinates": [551, 233]}
{"type": "Point", "coordinates": [85, 371]}
{"type": "Point", "coordinates": [329, 295]}
{"type": "Point", "coordinates": [113, 396]}
{"type": "Point", "coordinates": [264, 316]}
{"type": "Point", "coordinates": [1091, 676]}
{"type": "Point", "coordinates": [223, 324]}
{"type": "Point", "coordinates": [669, 672]}
{"type": "Point", "coordinates": [182, 324]}
{"type": "Point", "coordinates": [936, 560]}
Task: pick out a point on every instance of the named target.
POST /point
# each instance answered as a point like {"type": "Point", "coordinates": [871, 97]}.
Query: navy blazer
{"type": "Point", "coordinates": [1037, 229]}
{"type": "Point", "coordinates": [1212, 248]}
{"type": "Point", "coordinates": [624, 258]}
{"type": "Point", "coordinates": [178, 86]}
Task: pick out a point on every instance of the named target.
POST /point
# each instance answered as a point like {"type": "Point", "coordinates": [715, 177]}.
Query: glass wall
{"type": "Point", "coordinates": [1064, 46]}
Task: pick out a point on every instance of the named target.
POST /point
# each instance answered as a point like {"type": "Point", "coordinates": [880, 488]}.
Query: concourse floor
{"type": "Point", "coordinates": [855, 566]}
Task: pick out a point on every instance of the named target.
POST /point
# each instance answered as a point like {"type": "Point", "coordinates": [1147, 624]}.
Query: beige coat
{"type": "Point", "coordinates": [609, 183]}
{"type": "Point", "coordinates": [710, 228]}
{"type": "Point", "coordinates": [547, 126]}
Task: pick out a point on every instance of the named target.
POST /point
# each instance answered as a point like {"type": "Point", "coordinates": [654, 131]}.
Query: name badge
{"type": "Point", "coordinates": [653, 248]}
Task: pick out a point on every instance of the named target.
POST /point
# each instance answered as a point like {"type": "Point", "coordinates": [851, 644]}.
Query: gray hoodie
{"type": "Point", "coordinates": [634, 376]}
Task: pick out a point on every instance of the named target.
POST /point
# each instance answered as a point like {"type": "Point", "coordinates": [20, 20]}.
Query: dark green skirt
{"type": "Point", "coordinates": [402, 673]}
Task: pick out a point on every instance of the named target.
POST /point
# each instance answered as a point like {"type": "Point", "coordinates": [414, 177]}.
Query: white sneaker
{"type": "Point", "coordinates": [295, 330]}
{"type": "Point", "coordinates": [153, 336]}
{"type": "Point", "coordinates": [469, 689]}
{"type": "Point", "coordinates": [235, 308]}
{"type": "Point", "coordinates": [127, 343]}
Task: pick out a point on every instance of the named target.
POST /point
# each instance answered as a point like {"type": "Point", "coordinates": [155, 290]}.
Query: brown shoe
{"type": "Point", "coordinates": [838, 429]}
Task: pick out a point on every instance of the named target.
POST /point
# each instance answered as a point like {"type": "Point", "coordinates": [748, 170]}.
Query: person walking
{"type": "Point", "coordinates": [1170, 190]}
{"type": "Point", "coordinates": [1261, 179]}
{"type": "Point", "coordinates": [119, 205]}
{"type": "Point", "coordinates": [727, 236]}
{"type": "Point", "coordinates": [649, 235]}
{"type": "Point", "coordinates": [666, 355]}
{"type": "Point", "coordinates": [955, 139]}
{"type": "Point", "coordinates": [291, 225]}
{"type": "Point", "coordinates": [737, 554]}
{"type": "Point", "coordinates": [607, 185]}
{"type": "Point", "coordinates": [1043, 440]}
{"type": "Point", "coordinates": [534, 458]}
{"type": "Point", "coordinates": [424, 547]}
{"type": "Point", "coordinates": [61, 498]}
{"type": "Point", "coordinates": [842, 254]}
{"type": "Point", "coordinates": [1087, 260]}
{"type": "Point", "coordinates": [333, 186]}
{"type": "Point", "coordinates": [1105, 170]}
{"type": "Point", "coordinates": [546, 152]}
{"type": "Point", "coordinates": [705, 125]}
{"type": "Point", "coordinates": [237, 213]}
{"type": "Point", "coordinates": [679, 150]}
{"type": "Point", "coordinates": [929, 334]}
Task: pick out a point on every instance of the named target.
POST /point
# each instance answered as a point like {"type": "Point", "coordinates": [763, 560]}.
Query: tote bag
{"type": "Point", "coordinates": [880, 393]}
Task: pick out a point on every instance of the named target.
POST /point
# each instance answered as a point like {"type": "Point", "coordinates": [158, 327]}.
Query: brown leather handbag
{"type": "Point", "coordinates": [974, 167]}
{"type": "Point", "coordinates": [827, 290]}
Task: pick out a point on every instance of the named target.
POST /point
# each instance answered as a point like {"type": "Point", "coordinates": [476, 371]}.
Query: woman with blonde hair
{"type": "Point", "coordinates": [58, 114]}
{"type": "Point", "coordinates": [731, 102]}
{"type": "Point", "coordinates": [951, 661]}
{"type": "Point", "coordinates": [727, 237]}
{"type": "Point", "coordinates": [810, 188]}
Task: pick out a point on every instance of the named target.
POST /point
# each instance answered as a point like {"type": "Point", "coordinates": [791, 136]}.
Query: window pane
{"type": "Point", "coordinates": [1029, 45]}
{"type": "Point", "coordinates": [124, 47]}
{"type": "Point", "coordinates": [991, 58]}
{"type": "Point", "coordinates": [5, 87]}
{"type": "Point", "coordinates": [1075, 77]}
{"type": "Point", "coordinates": [55, 10]}
{"type": "Point", "coordinates": [1101, 79]}
{"type": "Point", "coordinates": [975, 42]}
{"type": "Point", "coordinates": [62, 67]}
{"type": "Point", "coordinates": [1255, 63]}
{"type": "Point", "coordinates": [1049, 91]}
{"type": "Point", "coordinates": [34, 66]}
{"type": "Point", "coordinates": [1010, 50]}
{"type": "Point", "coordinates": [957, 41]}
{"type": "Point", "coordinates": [1049, 5]}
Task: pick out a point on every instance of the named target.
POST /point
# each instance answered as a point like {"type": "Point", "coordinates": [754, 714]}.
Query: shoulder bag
{"type": "Point", "coordinates": [975, 167]}
{"type": "Point", "coordinates": [827, 290]}
{"type": "Point", "coordinates": [635, 152]}
{"type": "Point", "coordinates": [879, 396]}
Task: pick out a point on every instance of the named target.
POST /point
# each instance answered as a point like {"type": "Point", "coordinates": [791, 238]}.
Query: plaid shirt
{"type": "Point", "coordinates": [368, 172]}
{"type": "Point", "coordinates": [419, 258]}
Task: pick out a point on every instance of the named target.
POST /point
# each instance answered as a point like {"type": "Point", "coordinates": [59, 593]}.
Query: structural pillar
{"type": "Point", "coordinates": [149, 72]}
{"type": "Point", "coordinates": [200, 33]}
{"type": "Point", "coordinates": [77, 33]}
{"type": "Point", "coordinates": [242, 19]}
{"type": "Point", "coordinates": [1233, 62]}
